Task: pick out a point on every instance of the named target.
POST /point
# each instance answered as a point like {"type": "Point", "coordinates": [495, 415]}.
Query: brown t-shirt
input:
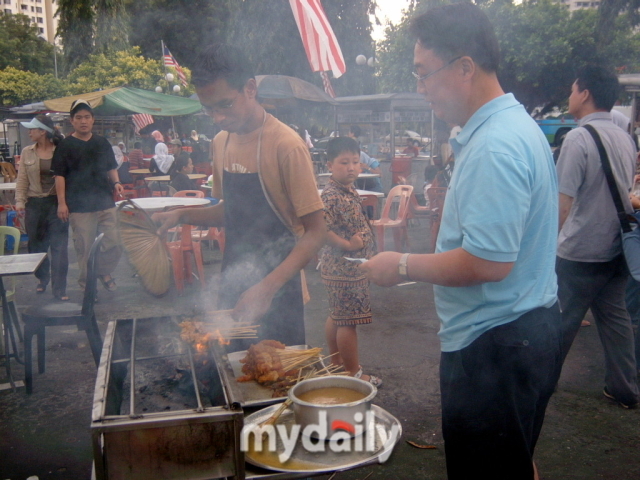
{"type": "Point", "coordinates": [285, 169]}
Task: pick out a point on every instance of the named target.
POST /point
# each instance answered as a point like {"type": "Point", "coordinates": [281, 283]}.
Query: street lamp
{"type": "Point", "coordinates": [363, 62]}
{"type": "Point", "coordinates": [169, 77]}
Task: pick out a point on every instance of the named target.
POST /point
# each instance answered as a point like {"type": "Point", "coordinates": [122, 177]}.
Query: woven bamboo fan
{"type": "Point", "coordinates": [146, 251]}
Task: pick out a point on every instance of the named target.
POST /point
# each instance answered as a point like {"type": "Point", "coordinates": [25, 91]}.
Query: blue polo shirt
{"type": "Point", "coordinates": [502, 206]}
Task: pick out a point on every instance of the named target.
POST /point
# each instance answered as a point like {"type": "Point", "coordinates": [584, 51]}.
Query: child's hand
{"type": "Point", "coordinates": [356, 243]}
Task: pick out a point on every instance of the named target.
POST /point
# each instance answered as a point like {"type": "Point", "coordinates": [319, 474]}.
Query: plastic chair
{"type": "Point", "coordinates": [189, 193]}
{"type": "Point", "coordinates": [180, 252]}
{"type": "Point", "coordinates": [399, 223]}
{"type": "Point", "coordinates": [370, 203]}
{"type": "Point", "coordinates": [8, 172]}
{"type": "Point", "coordinates": [10, 286]}
{"type": "Point", "coordinates": [211, 235]}
{"type": "Point", "coordinates": [37, 318]}
{"type": "Point", "coordinates": [436, 196]}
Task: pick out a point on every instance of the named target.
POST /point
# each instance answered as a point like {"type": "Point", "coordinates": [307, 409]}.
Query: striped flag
{"type": "Point", "coordinates": [169, 61]}
{"type": "Point", "coordinates": [328, 88]}
{"type": "Point", "coordinates": [318, 38]}
{"type": "Point", "coordinates": [141, 120]}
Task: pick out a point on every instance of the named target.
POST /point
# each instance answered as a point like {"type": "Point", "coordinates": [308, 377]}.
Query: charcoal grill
{"type": "Point", "coordinates": [160, 410]}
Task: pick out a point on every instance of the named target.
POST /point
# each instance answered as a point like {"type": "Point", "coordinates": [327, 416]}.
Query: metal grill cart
{"type": "Point", "coordinates": [163, 410]}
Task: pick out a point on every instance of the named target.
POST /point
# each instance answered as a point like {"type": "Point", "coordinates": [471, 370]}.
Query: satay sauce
{"type": "Point", "coordinates": [331, 396]}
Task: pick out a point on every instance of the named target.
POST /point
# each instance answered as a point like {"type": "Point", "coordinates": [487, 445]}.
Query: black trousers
{"type": "Point", "coordinates": [494, 397]}
{"type": "Point", "coordinates": [46, 231]}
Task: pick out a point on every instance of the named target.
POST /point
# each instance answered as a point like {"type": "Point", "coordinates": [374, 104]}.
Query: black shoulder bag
{"type": "Point", "coordinates": [629, 232]}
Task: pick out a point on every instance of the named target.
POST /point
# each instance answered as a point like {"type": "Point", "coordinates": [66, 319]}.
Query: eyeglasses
{"type": "Point", "coordinates": [422, 78]}
{"type": "Point", "coordinates": [224, 107]}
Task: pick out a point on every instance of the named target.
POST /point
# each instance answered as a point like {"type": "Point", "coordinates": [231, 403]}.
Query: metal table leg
{"type": "Point", "coordinates": [8, 331]}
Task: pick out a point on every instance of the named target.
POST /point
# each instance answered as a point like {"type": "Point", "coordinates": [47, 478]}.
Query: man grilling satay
{"type": "Point", "coordinates": [271, 210]}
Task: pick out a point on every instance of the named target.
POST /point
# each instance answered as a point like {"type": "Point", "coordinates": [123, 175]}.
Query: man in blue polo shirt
{"type": "Point", "coordinates": [493, 269]}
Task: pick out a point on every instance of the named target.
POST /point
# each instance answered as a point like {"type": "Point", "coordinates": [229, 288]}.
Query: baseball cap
{"type": "Point", "coordinates": [77, 104]}
{"type": "Point", "coordinates": [176, 142]}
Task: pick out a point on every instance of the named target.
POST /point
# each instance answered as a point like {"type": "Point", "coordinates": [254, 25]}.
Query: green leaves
{"type": "Point", "coordinates": [18, 87]}
{"type": "Point", "coordinates": [20, 46]}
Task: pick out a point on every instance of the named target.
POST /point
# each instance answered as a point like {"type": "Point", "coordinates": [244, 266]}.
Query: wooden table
{"type": "Point", "coordinates": [140, 171]}
{"type": "Point", "coordinates": [167, 178]}
{"type": "Point", "coordinates": [362, 175]}
{"type": "Point", "coordinates": [155, 204]}
{"type": "Point", "coordinates": [22, 264]}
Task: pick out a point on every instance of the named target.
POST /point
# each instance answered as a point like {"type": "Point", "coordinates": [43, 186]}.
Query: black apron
{"type": "Point", "coordinates": [256, 243]}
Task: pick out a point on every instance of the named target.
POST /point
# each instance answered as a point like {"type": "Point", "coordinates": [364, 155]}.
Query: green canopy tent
{"type": "Point", "coordinates": [120, 101]}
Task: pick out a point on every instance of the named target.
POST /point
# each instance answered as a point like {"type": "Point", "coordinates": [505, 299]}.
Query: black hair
{"type": "Point", "coordinates": [181, 161]}
{"type": "Point", "coordinates": [221, 61]}
{"type": "Point", "coordinates": [355, 130]}
{"type": "Point", "coordinates": [456, 30]}
{"type": "Point", "coordinates": [430, 172]}
{"type": "Point", "coordinates": [56, 136]}
{"type": "Point", "coordinates": [339, 145]}
{"type": "Point", "coordinates": [137, 145]}
{"type": "Point", "coordinates": [602, 83]}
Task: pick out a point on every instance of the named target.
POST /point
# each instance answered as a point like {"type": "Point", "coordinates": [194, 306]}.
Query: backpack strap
{"type": "Point", "coordinates": [611, 182]}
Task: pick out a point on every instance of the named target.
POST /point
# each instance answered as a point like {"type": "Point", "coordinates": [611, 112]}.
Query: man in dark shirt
{"type": "Point", "coordinates": [86, 177]}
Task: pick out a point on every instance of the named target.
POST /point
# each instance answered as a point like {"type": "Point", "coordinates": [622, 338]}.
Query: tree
{"type": "Point", "coordinates": [75, 30]}
{"type": "Point", "coordinates": [280, 51]}
{"type": "Point", "coordinates": [542, 46]}
{"type": "Point", "coordinates": [18, 87]}
{"type": "Point", "coordinates": [184, 25]}
{"type": "Point", "coordinates": [125, 68]}
{"type": "Point", "coordinates": [112, 26]}
{"type": "Point", "coordinates": [21, 47]}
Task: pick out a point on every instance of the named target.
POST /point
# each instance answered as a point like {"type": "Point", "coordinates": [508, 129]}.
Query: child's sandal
{"type": "Point", "coordinates": [373, 380]}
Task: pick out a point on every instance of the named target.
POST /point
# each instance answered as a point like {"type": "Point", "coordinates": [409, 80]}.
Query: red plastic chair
{"type": "Point", "coordinates": [400, 194]}
{"type": "Point", "coordinates": [370, 201]}
{"type": "Point", "coordinates": [436, 196]}
{"type": "Point", "coordinates": [212, 234]}
{"type": "Point", "coordinates": [189, 193]}
{"type": "Point", "coordinates": [182, 252]}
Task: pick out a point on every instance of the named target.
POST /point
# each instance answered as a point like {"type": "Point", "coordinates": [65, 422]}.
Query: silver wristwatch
{"type": "Point", "coordinates": [403, 270]}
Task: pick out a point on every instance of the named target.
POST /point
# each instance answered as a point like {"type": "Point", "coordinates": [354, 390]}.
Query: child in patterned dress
{"type": "Point", "coordinates": [349, 236]}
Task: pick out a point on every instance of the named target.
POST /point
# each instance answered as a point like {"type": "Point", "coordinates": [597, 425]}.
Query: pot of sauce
{"type": "Point", "coordinates": [325, 406]}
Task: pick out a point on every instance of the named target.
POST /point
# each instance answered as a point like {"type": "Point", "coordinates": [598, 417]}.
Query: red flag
{"type": "Point", "coordinates": [328, 88]}
{"type": "Point", "coordinates": [169, 61]}
{"type": "Point", "coordinates": [318, 38]}
{"type": "Point", "coordinates": [141, 120]}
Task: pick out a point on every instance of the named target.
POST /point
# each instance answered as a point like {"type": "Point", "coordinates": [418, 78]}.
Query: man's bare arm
{"type": "Point", "coordinates": [204, 217]}
{"type": "Point", "coordinates": [455, 268]}
{"type": "Point", "coordinates": [63, 210]}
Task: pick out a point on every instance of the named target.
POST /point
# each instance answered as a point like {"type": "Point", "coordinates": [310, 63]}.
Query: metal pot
{"type": "Point", "coordinates": [322, 421]}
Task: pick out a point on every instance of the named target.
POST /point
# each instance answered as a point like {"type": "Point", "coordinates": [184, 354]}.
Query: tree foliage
{"type": "Point", "coordinates": [18, 87]}
{"type": "Point", "coordinates": [112, 26]}
{"type": "Point", "coordinates": [184, 25]}
{"type": "Point", "coordinates": [75, 30]}
{"type": "Point", "coordinates": [125, 68]}
{"type": "Point", "coordinates": [21, 47]}
{"type": "Point", "coordinates": [542, 46]}
{"type": "Point", "coordinates": [280, 51]}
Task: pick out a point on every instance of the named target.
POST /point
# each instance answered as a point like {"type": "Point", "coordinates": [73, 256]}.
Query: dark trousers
{"type": "Point", "coordinates": [601, 287]}
{"type": "Point", "coordinates": [632, 299]}
{"type": "Point", "coordinates": [494, 396]}
{"type": "Point", "coordinates": [46, 231]}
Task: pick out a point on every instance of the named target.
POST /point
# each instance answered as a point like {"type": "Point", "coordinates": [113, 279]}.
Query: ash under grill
{"type": "Point", "coordinates": [161, 410]}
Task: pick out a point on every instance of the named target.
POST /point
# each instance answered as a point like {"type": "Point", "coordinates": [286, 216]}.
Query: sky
{"type": "Point", "coordinates": [388, 10]}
